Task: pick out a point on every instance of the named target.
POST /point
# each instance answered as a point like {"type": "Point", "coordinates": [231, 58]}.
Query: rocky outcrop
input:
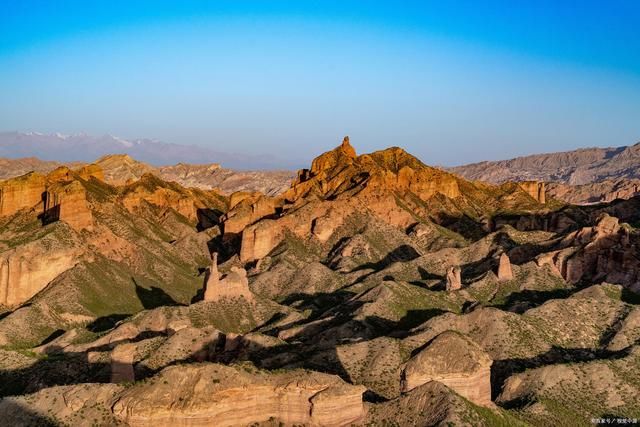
{"type": "Point", "coordinates": [457, 362]}
{"type": "Point", "coordinates": [384, 184]}
{"type": "Point", "coordinates": [122, 358]}
{"type": "Point", "coordinates": [119, 169]}
{"type": "Point", "coordinates": [58, 196]}
{"type": "Point", "coordinates": [27, 269]}
{"type": "Point", "coordinates": [233, 285]}
{"type": "Point", "coordinates": [91, 171]}
{"type": "Point", "coordinates": [504, 268]}
{"type": "Point", "coordinates": [24, 192]}
{"type": "Point", "coordinates": [68, 202]}
{"type": "Point", "coordinates": [393, 169]}
{"type": "Point", "coordinates": [247, 208]}
{"type": "Point", "coordinates": [604, 252]}
{"type": "Point", "coordinates": [260, 239]}
{"type": "Point", "coordinates": [199, 395]}
{"type": "Point", "coordinates": [341, 156]}
{"type": "Point", "coordinates": [189, 203]}
{"type": "Point", "coordinates": [213, 279]}
{"type": "Point", "coordinates": [454, 280]}
{"type": "Point", "coordinates": [535, 189]}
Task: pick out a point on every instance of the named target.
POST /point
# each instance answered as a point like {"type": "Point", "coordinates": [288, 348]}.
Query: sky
{"type": "Point", "coordinates": [451, 82]}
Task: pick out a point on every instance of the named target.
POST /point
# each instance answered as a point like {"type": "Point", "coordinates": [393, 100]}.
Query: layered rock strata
{"type": "Point", "coordinates": [455, 361]}
{"type": "Point", "coordinates": [200, 395]}
{"type": "Point", "coordinates": [27, 269]}
{"type": "Point", "coordinates": [24, 192]}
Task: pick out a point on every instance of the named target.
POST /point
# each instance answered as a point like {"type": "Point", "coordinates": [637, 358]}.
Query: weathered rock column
{"type": "Point", "coordinates": [213, 281]}
{"type": "Point", "coordinates": [454, 280]}
{"type": "Point", "coordinates": [504, 268]}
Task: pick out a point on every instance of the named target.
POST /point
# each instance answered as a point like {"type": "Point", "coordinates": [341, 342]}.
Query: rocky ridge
{"type": "Point", "coordinates": [583, 176]}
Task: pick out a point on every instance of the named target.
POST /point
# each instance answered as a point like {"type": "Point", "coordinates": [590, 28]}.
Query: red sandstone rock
{"type": "Point", "coordinates": [454, 281]}
{"type": "Point", "coordinates": [504, 268]}
{"type": "Point", "coordinates": [212, 394]}
{"type": "Point", "coordinates": [68, 202]}
{"type": "Point", "coordinates": [27, 269]}
{"type": "Point", "coordinates": [24, 192]}
{"type": "Point", "coordinates": [233, 285]}
{"type": "Point", "coordinates": [535, 189]}
{"type": "Point", "coordinates": [455, 361]}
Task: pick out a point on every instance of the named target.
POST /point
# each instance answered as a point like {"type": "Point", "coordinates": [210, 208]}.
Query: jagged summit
{"type": "Point", "coordinates": [341, 170]}
{"type": "Point", "coordinates": [389, 184]}
{"type": "Point", "coordinates": [340, 156]}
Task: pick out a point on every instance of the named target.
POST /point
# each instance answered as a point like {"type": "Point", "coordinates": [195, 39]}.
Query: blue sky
{"type": "Point", "coordinates": [451, 83]}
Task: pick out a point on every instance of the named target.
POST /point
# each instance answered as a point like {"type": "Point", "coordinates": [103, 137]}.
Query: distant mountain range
{"type": "Point", "coordinates": [86, 148]}
{"type": "Point", "coordinates": [584, 176]}
{"type": "Point", "coordinates": [120, 169]}
{"type": "Point", "coordinates": [583, 166]}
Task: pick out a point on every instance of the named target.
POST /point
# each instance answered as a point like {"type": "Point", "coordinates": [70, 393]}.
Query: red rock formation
{"type": "Point", "coordinates": [259, 239]}
{"type": "Point", "coordinates": [61, 174]}
{"type": "Point", "coordinates": [247, 208]}
{"type": "Point", "coordinates": [233, 285]}
{"type": "Point", "coordinates": [535, 189]}
{"type": "Point", "coordinates": [187, 202]}
{"type": "Point", "coordinates": [504, 268]}
{"type": "Point", "coordinates": [603, 252]}
{"type": "Point", "coordinates": [345, 183]}
{"type": "Point", "coordinates": [88, 171]}
{"type": "Point", "coordinates": [213, 280]}
{"type": "Point", "coordinates": [390, 184]}
{"type": "Point", "coordinates": [27, 269]}
{"type": "Point", "coordinates": [212, 394]}
{"type": "Point", "coordinates": [24, 192]}
{"type": "Point", "coordinates": [455, 361]}
{"type": "Point", "coordinates": [454, 281]}
{"type": "Point", "coordinates": [68, 202]}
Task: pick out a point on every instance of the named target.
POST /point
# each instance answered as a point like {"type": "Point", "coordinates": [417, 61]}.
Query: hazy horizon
{"type": "Point", "coordinates": [451, 85]}
{"type": "Point", "coordinates": [201, 155]}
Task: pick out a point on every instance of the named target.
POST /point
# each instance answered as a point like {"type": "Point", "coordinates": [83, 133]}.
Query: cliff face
{"type": "Point", "coordinates": [26, 270]}
{"type": "Point", "coordinates": [24, 192]}
{"type": "Point", "coordinates": [67, 202]}
{"type": "Point", "coordinates": [56, 196]}
{"type": "Point", "coordinates": [535, 189]}
{"type": "Point", "coordinates": [455, 361]}
{"type": "Point", "coordinates": [224, 396]}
